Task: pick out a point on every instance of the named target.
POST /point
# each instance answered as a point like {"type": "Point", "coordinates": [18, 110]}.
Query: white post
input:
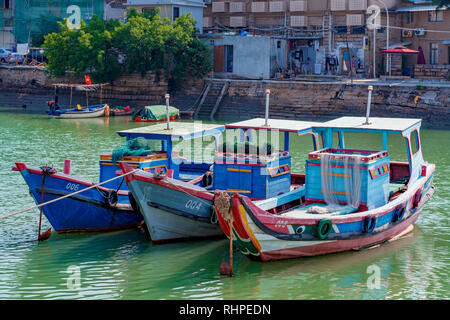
{"type": "Point", "coordinates": [374, 59]}
{"type": "Point", "coordinates": [388, 60]}
{"type": "Point", "coordinates": [369, 98]}
{"type": "Point", "coordinates": [267, 108]}
{"type": "Point", "coordinates": [167, 111]}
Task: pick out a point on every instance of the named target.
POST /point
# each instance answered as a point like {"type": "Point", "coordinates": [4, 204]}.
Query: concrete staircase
{"type": "Point", "coordinates": [211, 99]}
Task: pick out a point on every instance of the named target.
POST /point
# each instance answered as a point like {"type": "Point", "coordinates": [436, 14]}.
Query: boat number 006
{"type": "Point", "coordinates": [72, 186]}
{"type": "Point", "coordinates": [192, 204]}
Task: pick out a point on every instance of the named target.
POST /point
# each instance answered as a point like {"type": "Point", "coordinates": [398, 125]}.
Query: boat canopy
{"type": "Point", "coordinates": [408, 128]}
{"type": "Point", "coordinates": [273, 124]}
{"type": "Point", "coordinates": [180, 130]}
{"type": "Point", "coordinates": [156, 112]}
{"type": "Point", "coordinates": [392, 125]}
{"type": "Point", "coordinates": [286, 126]}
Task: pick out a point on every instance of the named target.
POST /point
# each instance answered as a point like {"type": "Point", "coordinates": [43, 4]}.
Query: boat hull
{"type": "Point", "coordinates": [86, 211]}
{"type": "Point", "coordinates": [172, 209]}
{"type": "Point", "coordinates": [264, 236]}
{"type": "Point", "coordinates": [92, 112]}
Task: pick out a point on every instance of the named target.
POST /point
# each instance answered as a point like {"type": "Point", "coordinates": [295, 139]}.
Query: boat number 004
{"type": "Point", "coordinates": [192, 204]}
{"type": "Point", "coordinates": [72, 186]}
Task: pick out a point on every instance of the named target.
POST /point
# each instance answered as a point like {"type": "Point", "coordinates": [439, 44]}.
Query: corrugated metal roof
{"type": "Point", "coordinates": [418, 8]}
{"type": "Point", "coordinates": [398, 44]}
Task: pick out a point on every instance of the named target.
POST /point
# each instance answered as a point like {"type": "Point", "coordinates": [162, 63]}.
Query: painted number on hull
{"type": "Point", "coordinates": [72, 186]}
{"type": "Point", "coordinates": [194, 205]}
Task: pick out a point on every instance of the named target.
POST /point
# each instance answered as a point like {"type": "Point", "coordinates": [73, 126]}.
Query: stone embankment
{"type": "Point", "coordinates": [244, 99]}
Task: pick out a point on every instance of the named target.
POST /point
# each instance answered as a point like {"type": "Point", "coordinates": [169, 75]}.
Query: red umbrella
{"type": "Point", "coordinates": [400, 50]}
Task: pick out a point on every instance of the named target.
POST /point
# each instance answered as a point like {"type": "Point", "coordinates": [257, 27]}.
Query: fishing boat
{"type": "Point", "coordinates": [155, 113]}
{"type": "Point", "coordinates": [349, 199]}
{"type": "Point", "coordinates": [77, 112]}
{"type": "Point", "coordinates": [95, 111]}
{"type": "Point", "coordinates": [110, 205]}
{"type": "Point", "coordinates": [176, 201]}
{"type": "Point", "coordinates": [184, 208]}
{"type": "Point", "coordinates": [120, 111]}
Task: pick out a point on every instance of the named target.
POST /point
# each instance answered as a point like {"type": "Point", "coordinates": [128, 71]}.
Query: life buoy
{"type": "Point", "coordinates": [207, 179]}
{"type": "Point", "coordinates": [399, 212]}
{"type": "Point", "coordinates": [369, 224]}
{"type": "Point", "coordinates": [324, 228]}
{"type": "Point", "coordinates": [111, 198]}
{"type": "Point", "coordinates": [417, 198]}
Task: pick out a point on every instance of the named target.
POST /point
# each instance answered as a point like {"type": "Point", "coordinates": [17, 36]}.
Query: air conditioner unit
{"type": "Point", "coordinates": [407, 33]}
{"type": "Point", "coordinates": [419, 32]}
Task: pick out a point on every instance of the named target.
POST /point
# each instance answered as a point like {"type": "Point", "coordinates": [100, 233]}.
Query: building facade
{"type": "Point", "coordinates": [172, 9]}
{"type": "Point", "coordinates": [28, 21]}
{"type": "Point", "coordinates": [418, 18]}
{"type": "Point", "coordinates": [322, 36]}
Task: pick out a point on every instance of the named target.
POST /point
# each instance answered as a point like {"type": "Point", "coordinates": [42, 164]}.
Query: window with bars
{"type": "Point", "coordinates": [410, 17]}
{"type": "Point", "coordinates": [433, 53]}
{"type": "Point", "coordinates": [258, 6]}
{"type": "Point", "coordinates": [435, 16]}
{"type": "Point", "coordinates": [337, 5]}
{"type": "Point", "coordinates": [297, 6]}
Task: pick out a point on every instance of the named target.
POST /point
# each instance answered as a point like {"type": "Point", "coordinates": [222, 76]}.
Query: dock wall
{"type": "Point", "coordinates": [246, 98]}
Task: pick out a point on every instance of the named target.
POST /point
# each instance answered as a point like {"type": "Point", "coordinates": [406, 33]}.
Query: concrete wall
{"type": "Point", "coordinates": [251, 54]}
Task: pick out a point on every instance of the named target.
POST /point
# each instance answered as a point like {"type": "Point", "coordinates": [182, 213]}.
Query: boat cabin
{"type": "Point", "coordinates": [349, 180]}
{"type": "Point", "coordinates": [256, 169]}
{"type": "Point", "coordinates": [166, 159]}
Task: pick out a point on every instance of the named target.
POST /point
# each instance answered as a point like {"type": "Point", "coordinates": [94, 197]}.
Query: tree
{"type": "Point", "coordinates": [441, 3]}
{"type": "Point", "coordinates": [147, 42]}
{"type": "Point", "coordinates": [87, 50]}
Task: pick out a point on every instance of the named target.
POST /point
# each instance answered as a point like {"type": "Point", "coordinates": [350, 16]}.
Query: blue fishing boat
{"type": "Point", "coordinates": [79, 113]}
{"type": "Point", "coordinates": [110, 206]}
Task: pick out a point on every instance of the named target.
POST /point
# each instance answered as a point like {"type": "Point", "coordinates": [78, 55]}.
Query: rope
{"type": "Point", "coordinates": [67, 195]}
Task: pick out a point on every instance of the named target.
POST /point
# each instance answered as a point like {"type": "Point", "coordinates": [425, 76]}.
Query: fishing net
{"type": "Point", "coordinates": [332, 181]}
{"type": "Point", "coordinates": [134, 147]}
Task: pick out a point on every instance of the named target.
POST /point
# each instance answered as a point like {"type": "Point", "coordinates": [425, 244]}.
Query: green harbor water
{"type": "Point", "coordinates": [126, 265]}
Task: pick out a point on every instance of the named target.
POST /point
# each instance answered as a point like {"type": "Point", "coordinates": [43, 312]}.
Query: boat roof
{"type": "Point", "coordinates": [178, 129]}
{"type": "Point", "coordinates": [393, 125]}
{"type": "Point", "coordinates": [274, 124]}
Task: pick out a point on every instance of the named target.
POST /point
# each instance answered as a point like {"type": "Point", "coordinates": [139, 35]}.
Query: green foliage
{"type": "Point", "coordinates": [145, 43]}
{"type": "Point", "coordinates": [441, 3]}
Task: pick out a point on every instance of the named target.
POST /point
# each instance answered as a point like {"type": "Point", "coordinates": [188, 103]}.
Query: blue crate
{"type": "Point", "coordinates": [374, 175]}
{"type": "Point", "coordinates": [148, 163]}
{"type": "Point", "coordinates": [258, 177]}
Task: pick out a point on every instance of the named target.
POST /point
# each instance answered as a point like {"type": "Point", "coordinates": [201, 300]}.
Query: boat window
{"type": "Point", "coordinates": [415, 144]}
{"type": "Point", "coordinates": [362, 141]}
{"type": "Point", "coordinates": [299, 148]}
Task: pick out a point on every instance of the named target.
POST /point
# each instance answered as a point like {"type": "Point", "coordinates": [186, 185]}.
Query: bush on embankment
{"type": "Point", "coordinates": [144, 43]}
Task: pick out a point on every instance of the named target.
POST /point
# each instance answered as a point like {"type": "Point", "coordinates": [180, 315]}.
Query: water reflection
{"type": "Point", "coordinates": [126, 265]}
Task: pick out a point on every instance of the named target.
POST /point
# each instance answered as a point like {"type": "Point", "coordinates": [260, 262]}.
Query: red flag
{"type": "Point", "coordinates": [88, 79]}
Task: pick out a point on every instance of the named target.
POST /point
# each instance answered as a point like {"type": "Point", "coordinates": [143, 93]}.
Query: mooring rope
{"type": "Point", "coordinates": [67, 195]}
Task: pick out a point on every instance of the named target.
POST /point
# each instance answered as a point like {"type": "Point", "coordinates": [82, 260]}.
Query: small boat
{"type": "Point", "coordinates": [120, 111]}
{"type": "Point", "coordinates": [155, 113]}
{"type": "Point", "coordinates": [348, 199]}
{"type": "Point", "coordinates": [79, 112]}
{"type": "Point", "coordinates": [176, 202]}
{"type": "Point", "coordinates": [95, 111]}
